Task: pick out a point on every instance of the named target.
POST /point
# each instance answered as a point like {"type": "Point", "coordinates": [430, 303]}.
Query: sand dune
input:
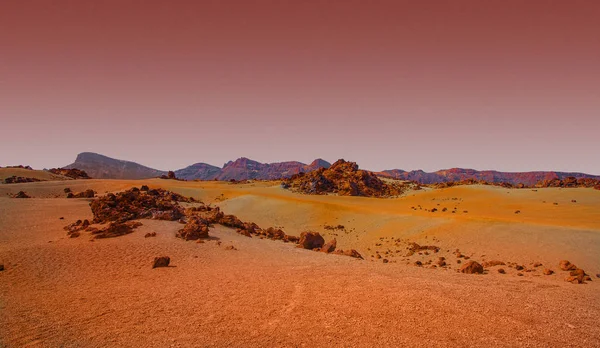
{"type": "Point", "coordinates": [58, 291]}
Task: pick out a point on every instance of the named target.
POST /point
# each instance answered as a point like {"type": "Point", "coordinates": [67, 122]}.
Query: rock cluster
{"type": "Point", "coordinates": [72, 173]}
{"type": "Point", "coordinates": [570, 182]}
{"type": "Point", "coordinates": [19, 180]}
{"type": "Point", "coordinates": [89, 193]}
{"type": "Point", "coordinates": [137, 204]}
{"type": "Point", "coordinates": [576, 274]}
{"type": "Point", "coordinates": [314, 241]}
{"type": "Point", "coordinates": [345, 179]}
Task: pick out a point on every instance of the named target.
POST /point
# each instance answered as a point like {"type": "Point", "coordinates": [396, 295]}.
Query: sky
{"type": "Point", "coordinates": [506, 85]}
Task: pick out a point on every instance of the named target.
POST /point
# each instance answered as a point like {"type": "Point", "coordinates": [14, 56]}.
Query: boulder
{"type": "Point", "coordinates": [472, 267]}
{"type": "Point", "coordinates": [310, 240]}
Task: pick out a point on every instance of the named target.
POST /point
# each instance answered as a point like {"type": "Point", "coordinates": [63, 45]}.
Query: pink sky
{"type": "Point", "coordinates": [506, 85]}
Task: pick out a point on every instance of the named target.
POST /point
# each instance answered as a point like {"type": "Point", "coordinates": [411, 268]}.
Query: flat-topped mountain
{"type": "Point", "coordinates": [102, 167]}
{"type": "Point", "coordinates": [491, 176]}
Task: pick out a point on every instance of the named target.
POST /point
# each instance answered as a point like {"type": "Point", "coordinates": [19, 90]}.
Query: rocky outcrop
{"type": "Point", "coordinates": [19, 180]}
{"type": "Point", "coordinates": [342, 178]}
{"type": "Point", "coordinates": [72, 173]}
{"type": "Point", "coordinates": [136, 204]}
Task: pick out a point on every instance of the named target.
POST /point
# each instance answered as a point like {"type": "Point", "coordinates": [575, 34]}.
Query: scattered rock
{"type": "Point", "coordinates": [194, 229]}
{"type": "Point", "coordinates": [548, 271]}
{"type": "Point", "coordinates": [493, 263]}
{"type": "Point", "coordinates": [471, 267]}
{"type": "Point", "coordinates": [89, 193]}
{"type": "Point", "coordinates": [519, 267]}
{"type": "Point", "coordinates": [351, 253]}
{"type": "Point", "coordinates": [147, 235]}
{"type": "Point", "coordinates": [162, 261]}
{"type": "Point", "coordinates": [537, 264]}
{"type": "Point", "coordinates": [116, 229]}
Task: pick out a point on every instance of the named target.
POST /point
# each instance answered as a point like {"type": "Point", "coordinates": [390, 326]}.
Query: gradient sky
{"type": "Point", "coordinates": [506, 85]}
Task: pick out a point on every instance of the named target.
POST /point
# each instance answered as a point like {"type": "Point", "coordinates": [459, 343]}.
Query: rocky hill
{"type": "Point", "coordinates": [244, 168]}
{"type": "Point", "coordinates": [490, 176]}
{"type": "Point", "coordinates": [345, 179]}
{"type": "Point", "coordinates": [102, 167]}
{"type": "Point", "coordinates": [200, 171]}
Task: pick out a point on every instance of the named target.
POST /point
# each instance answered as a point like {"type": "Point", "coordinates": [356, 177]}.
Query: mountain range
{"type": "Point", "coordinates": [103, 167]}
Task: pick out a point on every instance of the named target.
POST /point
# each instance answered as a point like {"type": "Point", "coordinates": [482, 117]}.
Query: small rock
{"type": "Point", "coordinates": [162, 261]}
{"type": "Point", "coordinates": [418, 263]}
{"type": "Point", "coordinates": [519, 267]}
{"type": "Point", "coordinates": [548, 271]}
{"type": "Point", "coordinates": [230, 247]}
{"type": "Point", "coordinates": [537, 264]}
{"type": "Point", "coordinates": [385, 261]}
{"type": "Point", "coordinates": [1, 267]}
{"type": "Point", "coordinates": [501, 271]}
{"type": "Point", "coordinates": [520, 274]}
{"type": "Point", "coordinates": [153, 234]}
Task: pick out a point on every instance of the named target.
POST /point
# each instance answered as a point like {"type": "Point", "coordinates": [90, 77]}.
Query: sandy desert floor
{"type": "Point", "coordinates": [57, 291]}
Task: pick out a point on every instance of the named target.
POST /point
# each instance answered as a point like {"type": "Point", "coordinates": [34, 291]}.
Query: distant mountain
{"type": "Point", "coordinates": [101, 167]}
{"type": "Point", "coordinates": [201, 171]}
{"type": "Point", "coordinates": [244, 168]}
{"type": "Point", "coordinates": [492, 176]}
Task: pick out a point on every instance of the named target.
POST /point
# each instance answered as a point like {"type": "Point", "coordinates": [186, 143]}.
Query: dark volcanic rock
{"type": "Point", "coordinates": [136, 204]}
{"type": "Point", "coordinates": [345, 179]}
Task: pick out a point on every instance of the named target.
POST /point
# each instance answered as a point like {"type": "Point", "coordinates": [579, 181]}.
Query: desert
{"type": "Point", "coordinates": [308, 173]}
{"type": "Point", "coordinates": [452, 266]}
